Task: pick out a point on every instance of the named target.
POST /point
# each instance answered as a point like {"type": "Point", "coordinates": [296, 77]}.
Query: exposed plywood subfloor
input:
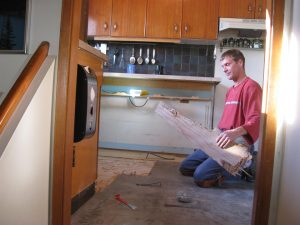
{"type": "Point", "coordinates": [112, 163]}
{"type": "Point", "coordinates": [109, 168]}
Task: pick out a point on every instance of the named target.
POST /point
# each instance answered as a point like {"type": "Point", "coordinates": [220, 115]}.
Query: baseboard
{"type": "Point", "coordinates": [129, 154]}
{"type": "Point", "coordinates": [82, 198]}
{"type": "Point", "coordinates": [145, 148]}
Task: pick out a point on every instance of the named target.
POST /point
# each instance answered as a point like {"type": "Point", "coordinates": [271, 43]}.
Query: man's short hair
{"type": "Point", "coordinates": [235, 54]}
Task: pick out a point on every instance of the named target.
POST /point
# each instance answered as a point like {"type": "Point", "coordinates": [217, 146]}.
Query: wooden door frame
{"type": "Point", "coordinates": [265, 159]}
{"type": "Point", "coordinates": [65, 111]}
{"type": "Point", "coordinates": [64, 115]}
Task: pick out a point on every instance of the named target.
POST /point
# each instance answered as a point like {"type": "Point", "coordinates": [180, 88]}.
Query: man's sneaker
{"type": "Point", "coordinates": [249, 173]}
{"type": "Point", "coordinates": [210, 183]}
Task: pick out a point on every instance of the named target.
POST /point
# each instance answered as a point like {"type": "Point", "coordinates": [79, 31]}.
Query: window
{"type": "Point", "coordinates": [13, 26]}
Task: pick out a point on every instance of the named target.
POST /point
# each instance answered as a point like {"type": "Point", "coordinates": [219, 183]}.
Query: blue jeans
{"type": "Point", "coordinates": [202, 167]}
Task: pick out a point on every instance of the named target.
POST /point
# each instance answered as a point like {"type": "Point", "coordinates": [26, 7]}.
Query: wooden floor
{"type": "Point", "coordinates": [230, 204]}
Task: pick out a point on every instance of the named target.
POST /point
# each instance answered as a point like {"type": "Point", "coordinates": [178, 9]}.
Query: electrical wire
{"type": "Point", "coordinates": [159, 156]}
{"type": "Point", "coordinates": [130, 97]}
{"type": "Point", "coordinates": [131, 101]}
{"type": "Point", "coordinates": [113, 92]}
{"type": "Point", "coordinates": [158, 184]}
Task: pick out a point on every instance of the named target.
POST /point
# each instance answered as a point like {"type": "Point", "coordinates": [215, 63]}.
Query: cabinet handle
{"type": "Point", "coordinates": [74, 157]}
{"type": "Point", "coordinates": [250, 7]}
{"type": "Point", "coordinates": [175, 27]}
{"type": "Point", "coordinates": [105, 26]}
{"type": "Point", "coordinates": [115, 26]}
{"type": "Point", "coordinates": [186, 28]}
{"type": "Point", "coordinates": [260, 9]}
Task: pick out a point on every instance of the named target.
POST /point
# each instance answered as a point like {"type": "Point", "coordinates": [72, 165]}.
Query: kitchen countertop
{"type": "Point", "coordinates": [162, 77]}
{"type": "Point", "coordinates": [83, 45]}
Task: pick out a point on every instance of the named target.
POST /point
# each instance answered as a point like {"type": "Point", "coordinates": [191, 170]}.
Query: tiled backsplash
{"type": "Point", "coordinates": [175, 59]}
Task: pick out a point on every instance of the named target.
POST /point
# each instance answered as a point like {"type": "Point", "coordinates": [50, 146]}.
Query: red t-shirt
{"type": "Point", "coordinates": [243, 108]}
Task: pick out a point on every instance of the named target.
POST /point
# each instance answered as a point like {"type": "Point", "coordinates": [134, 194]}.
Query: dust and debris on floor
{"type": "Point", "coordinates": [153, 192]}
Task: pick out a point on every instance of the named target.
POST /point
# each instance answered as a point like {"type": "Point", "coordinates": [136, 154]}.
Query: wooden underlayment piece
{"type": "Point", "coordinates": [232, 159]}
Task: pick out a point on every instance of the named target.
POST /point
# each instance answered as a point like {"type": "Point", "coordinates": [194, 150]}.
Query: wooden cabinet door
{"type": "Point", "coordinates": [84, 171]}
{"type": "Point", "coordinates": [237, 8]}
{"type": "Point", "coordinates": [200, 19]}
{"type": "Point", "coordinates": [164, 19]}
{"type": "Point", "coordinates": [128, 18]}
{"type": "Point", "coordinates": [99, 17]}
{"type": "Point", "coordinates": [260, 9]}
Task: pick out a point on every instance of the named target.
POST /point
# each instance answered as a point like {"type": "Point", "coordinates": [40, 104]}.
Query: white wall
{"type": "Point", "coordinates": [124, 126]}
{"type": "Point", "coordinates": [25, 162]}
{"type": "Point", "coordinates": [288, 199]}
{"type": "Point", "coordinates": [44, 26]}
{"type": "Point", "coordinates": [11, 67]}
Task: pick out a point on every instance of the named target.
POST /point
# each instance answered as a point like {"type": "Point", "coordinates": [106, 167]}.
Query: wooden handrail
{"type": "Point", "coordinates": [21, 85]}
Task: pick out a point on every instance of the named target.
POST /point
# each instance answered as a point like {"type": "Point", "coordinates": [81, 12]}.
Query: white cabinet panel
{"type": "Point", "coordinates": [124, 126]}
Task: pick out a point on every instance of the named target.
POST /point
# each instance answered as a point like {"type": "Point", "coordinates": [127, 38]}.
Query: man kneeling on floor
{"type": "Point", "coordinates": [239, 124]}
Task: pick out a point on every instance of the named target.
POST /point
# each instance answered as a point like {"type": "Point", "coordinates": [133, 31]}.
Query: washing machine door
{"type": "Point", "coordinates": [86, 104]}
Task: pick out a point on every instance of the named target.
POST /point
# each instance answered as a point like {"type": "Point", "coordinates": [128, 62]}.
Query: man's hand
{"type": "Point", "coordinates": [226, 138]}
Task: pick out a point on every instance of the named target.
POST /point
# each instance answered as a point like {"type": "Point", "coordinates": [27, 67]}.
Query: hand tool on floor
{"type": "Point", "coordinates": [118, 198]}
{"type": "Point", "coordinates": [158, 184]}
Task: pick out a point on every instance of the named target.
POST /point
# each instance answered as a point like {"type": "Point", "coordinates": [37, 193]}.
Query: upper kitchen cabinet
{"type": "Point", "coordinates": [128, 18]}
{"type": "Point", "coordinates": [117, 18]}
{"type": "Point", "coordinates": [248, 9]}
{"type": "Point", "coordinates": [157, 20]}
{"type": "Point", "coordinates": [164, 19]}
{"type": "Point", "coordinates": [200, 19]}
{"type": "Point", "coordinates": [99, 17]}
{"type": "Point", "coordinates": [260, 9]}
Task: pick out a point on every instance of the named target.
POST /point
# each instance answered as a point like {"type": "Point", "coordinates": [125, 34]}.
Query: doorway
{"type": "Point", "coordinates": [61, 187]}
